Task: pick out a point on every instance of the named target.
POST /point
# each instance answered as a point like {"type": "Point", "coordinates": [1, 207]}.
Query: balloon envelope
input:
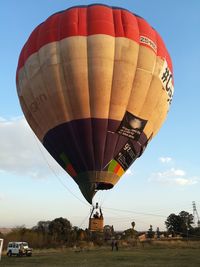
{"type": "Point", "coordinates": [95, 84]}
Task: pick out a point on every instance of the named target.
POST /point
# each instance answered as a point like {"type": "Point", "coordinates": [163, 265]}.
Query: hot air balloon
{"type": "Point", "coordinates": [95, 84]}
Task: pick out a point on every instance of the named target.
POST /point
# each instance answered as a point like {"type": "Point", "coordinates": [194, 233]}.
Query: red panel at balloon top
{"type": "Point", "coordinates": [82, 21]}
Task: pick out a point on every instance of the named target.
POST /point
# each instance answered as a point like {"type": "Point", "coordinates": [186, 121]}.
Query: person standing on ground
{"type": "Point", "coordinates": [116, 245]}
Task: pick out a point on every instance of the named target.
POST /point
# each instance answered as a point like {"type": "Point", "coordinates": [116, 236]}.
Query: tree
{"type": "Point", "coordinates": [133, 225]}
{"type": "Point", "coordinates": [158, 232]}
{"type": "Point", "coordinates": [195, 232]}
{"type": "Point", "coordinates": [131, 233]}
{"type": "Point", "coordinates": [150, 232]}
{"type": "Point", "coordinates": [42, 230]}
{"type": "Point", "coordinates": [60, 229]}
{"type": "Point", "coordinates": [42, 226]}
{"type": "Point", "coordinates": [179, 224]}
{"type": "Point", "coordinates": [108, 232]}
{"type": "Point", "coordinates": [187, 220]}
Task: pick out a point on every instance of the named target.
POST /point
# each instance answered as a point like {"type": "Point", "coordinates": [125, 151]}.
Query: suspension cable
{"type": "Point", "coordinates": [55, 174]}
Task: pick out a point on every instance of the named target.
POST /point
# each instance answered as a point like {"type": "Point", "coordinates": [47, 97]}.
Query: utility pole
{"type": "Point", "coordinates": [195, 215]}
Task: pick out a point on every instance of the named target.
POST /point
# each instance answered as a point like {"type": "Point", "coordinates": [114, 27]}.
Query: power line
{"type": "Point", "coordinates": [136, 212]}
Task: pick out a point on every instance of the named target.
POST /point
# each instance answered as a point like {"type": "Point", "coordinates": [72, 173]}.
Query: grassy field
{"type": "Point", "coordinates": [151, 256]}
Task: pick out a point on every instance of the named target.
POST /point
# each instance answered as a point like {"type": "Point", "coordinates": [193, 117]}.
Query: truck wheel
{"type": "Point", "coordinates": [9, 254]}
{"type": "Point", "coordinates": [29, 254]}
{"type": "Point", "coordinates": [20, 254]}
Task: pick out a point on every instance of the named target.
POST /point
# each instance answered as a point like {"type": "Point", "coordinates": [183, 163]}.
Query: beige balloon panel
{"type": "Point", "coordinates": [97, 76]}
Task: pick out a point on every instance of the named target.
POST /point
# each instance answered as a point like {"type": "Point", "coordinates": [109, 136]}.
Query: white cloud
{"type": "Point", "coordinates": [165, 159]}
{"type": "Point", "coordinates": [171, 173]}
{"type": "Point", "coordinates": [174, 177]}
{"type": "Point", "coordinates": [178, 172]}
{"type": "Point", "coordinates": [186, 181]}
{"type": "Point", "coordinates": [1, 196]}
{"type": "Point", "coordinates": [2, 119]}
{"type": "Point", "coordinates": [20, 151]}
{"type": "Point", "coordinates": [129, 172]}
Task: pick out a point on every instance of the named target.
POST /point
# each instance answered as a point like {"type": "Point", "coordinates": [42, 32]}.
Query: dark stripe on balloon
{"type": "Point", "coordinates": [74, 139]}
{"type": "Point", "coordinates": [72, 146]}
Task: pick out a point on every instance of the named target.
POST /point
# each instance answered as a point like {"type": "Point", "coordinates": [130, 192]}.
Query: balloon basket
{"type": "Point", "coordinates": [96, 220]}
{"type": "Point", "coordinates": [96, 224]}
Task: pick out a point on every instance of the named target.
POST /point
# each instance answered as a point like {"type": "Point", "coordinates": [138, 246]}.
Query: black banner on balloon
{"type": "Point", "coordinates": [126, 155]}
{"type": "Point", "coordinates": [131, 126]}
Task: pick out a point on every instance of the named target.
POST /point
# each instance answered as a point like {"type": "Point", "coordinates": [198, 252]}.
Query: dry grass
{"type": "Point", "coordinates": [160, 254]}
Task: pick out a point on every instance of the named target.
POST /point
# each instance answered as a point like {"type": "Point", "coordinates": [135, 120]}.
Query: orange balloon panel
{"type": "Point", "coordinates": [95, 84]}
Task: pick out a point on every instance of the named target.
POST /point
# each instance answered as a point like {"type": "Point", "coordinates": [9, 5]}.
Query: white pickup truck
{"type": "Point", "coordinates": [19, 249]}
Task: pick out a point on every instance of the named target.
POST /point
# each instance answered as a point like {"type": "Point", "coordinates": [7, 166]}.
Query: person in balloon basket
{"type": "Point", "coordinates": [97, 215]}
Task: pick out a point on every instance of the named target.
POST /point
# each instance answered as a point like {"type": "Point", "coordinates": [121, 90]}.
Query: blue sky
{"type": "Point", "coordinates": [165, 179]}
